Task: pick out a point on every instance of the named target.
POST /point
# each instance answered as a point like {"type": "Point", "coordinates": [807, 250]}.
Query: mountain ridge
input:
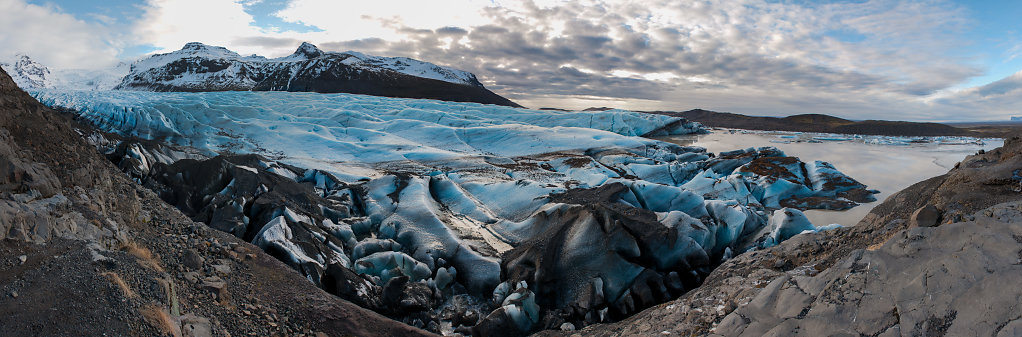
{"type": "Point", "coordinates": [824, 124]}
{"type": "Point", "coordinates": [28, 73]}
{"type": "Point", "coordinates": [200, 67]}
{"type": "Point", "coordinates": [820, 123]}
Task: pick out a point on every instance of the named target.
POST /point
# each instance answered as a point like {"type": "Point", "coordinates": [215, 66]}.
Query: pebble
{"type": "Point", "coordinates": [192, 276]}
{"type": "Point", "coordinates": [222, 268]}
{"type": "Point", "coordinates": [14, 294]}
{"type": "Point", "coordinates": [22, 258]}
{"type": "Point", "coordinates": [192, 259]}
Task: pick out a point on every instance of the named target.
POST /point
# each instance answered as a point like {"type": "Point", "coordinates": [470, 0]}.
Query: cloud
{"type": "Point", "coordinates": [858, 59]}
{"type": "Point", "coordinates": [781, 55]}
{"type": "Point", "coordinates": [266, 41]}
{"type": "Point", "coordinates": [54, 38]}
{"type": "Point", "coordinates": [169, 24]}
{"type": "Point", "coordinates": [350, 20]}
{"type": "Point", "coordinates": [1001, 87]}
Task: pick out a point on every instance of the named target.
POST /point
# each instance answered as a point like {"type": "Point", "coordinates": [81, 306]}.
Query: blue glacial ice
{"type": "Point", "coordinates": [440, 192]}
{"type": "Point", "coordinates": [311, 127]}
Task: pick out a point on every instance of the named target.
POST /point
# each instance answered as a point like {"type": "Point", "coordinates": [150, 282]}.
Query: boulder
{"type": "Point", "coordinates": [195, 326]}
{"type": "Point", "coordinates": [926, 216]}
{"type": "Point", "coordinates": [404, 297]}
{"type": "Point", "coordinates": [192, 260]}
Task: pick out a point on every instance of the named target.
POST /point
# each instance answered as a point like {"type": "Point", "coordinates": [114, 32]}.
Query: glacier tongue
{"type": "Point", "coordinates": [403, 205]}
{"type": "Point", "coordinates": [317, 129]}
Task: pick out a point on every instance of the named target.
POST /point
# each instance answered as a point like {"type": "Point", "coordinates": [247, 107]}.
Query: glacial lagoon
{"type": "Point", "coordinates": [887, 164]}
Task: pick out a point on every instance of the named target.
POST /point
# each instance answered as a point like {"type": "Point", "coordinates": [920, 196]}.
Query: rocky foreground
{"type": "Point", "coordinates": [940, 258]}
{"type": "Point", "coordinates": [85, 251]}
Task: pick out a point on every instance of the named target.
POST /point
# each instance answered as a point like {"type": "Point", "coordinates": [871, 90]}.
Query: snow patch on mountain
{"type": "Point", "coordinates": [411, 67]}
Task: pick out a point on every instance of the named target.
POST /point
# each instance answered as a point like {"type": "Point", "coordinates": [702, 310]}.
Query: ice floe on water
{"type": "Point", "coordinates": [405, 206]}
{"type": "Point", "coordinates": [789, 137]}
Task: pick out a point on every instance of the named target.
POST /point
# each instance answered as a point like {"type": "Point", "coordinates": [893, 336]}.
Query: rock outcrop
{"type": "Point", "coordinates": [958, 279]}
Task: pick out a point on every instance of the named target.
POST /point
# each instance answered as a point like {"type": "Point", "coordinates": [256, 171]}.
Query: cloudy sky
{"type": "Point", "coordinates": [937, 60]}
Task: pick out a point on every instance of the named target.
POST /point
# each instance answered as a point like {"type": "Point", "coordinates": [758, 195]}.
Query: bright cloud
{"type": "Point", "coordinates": [54, 38]}
{"type": "Point", "coordinates": [169, 24]}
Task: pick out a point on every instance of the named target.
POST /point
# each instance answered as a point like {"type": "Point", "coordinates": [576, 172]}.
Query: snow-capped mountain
{"type": "Point", "coordinates": [200, 67]}
{"type": "Point", "coordinates": [29, 74]}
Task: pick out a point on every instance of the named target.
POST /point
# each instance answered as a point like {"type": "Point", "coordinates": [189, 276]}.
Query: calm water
{"type": "Point", "coordinates": [888, 168]}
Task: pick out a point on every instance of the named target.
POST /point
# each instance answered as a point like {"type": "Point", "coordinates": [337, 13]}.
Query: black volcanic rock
{"type": "Point", "coordinates": [198, 67]}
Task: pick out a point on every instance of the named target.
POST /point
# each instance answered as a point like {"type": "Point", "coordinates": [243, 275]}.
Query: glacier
{"type": "Point", "coordinates": [372, 197]}
{"type": "Point", "coordinates": [317, 129]}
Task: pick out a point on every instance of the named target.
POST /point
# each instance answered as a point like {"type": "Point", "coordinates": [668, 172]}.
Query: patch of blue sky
{"type": "Point", "coordinates": [813, 3]}
{"type": "Point", "coordinates": [996, 35]}
{"type": "Point", "coordinates": [264, 13]}
{"type": "Point", "coordinates": [846, 35]}
{"type": "Point", "coordinates": [137, 50]}
{"type": "Point", "coordinates": [106, 12]}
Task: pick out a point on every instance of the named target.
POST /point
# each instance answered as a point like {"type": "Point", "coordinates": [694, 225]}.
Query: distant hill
{"type": "Point", "coordinates": [820, 123]}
